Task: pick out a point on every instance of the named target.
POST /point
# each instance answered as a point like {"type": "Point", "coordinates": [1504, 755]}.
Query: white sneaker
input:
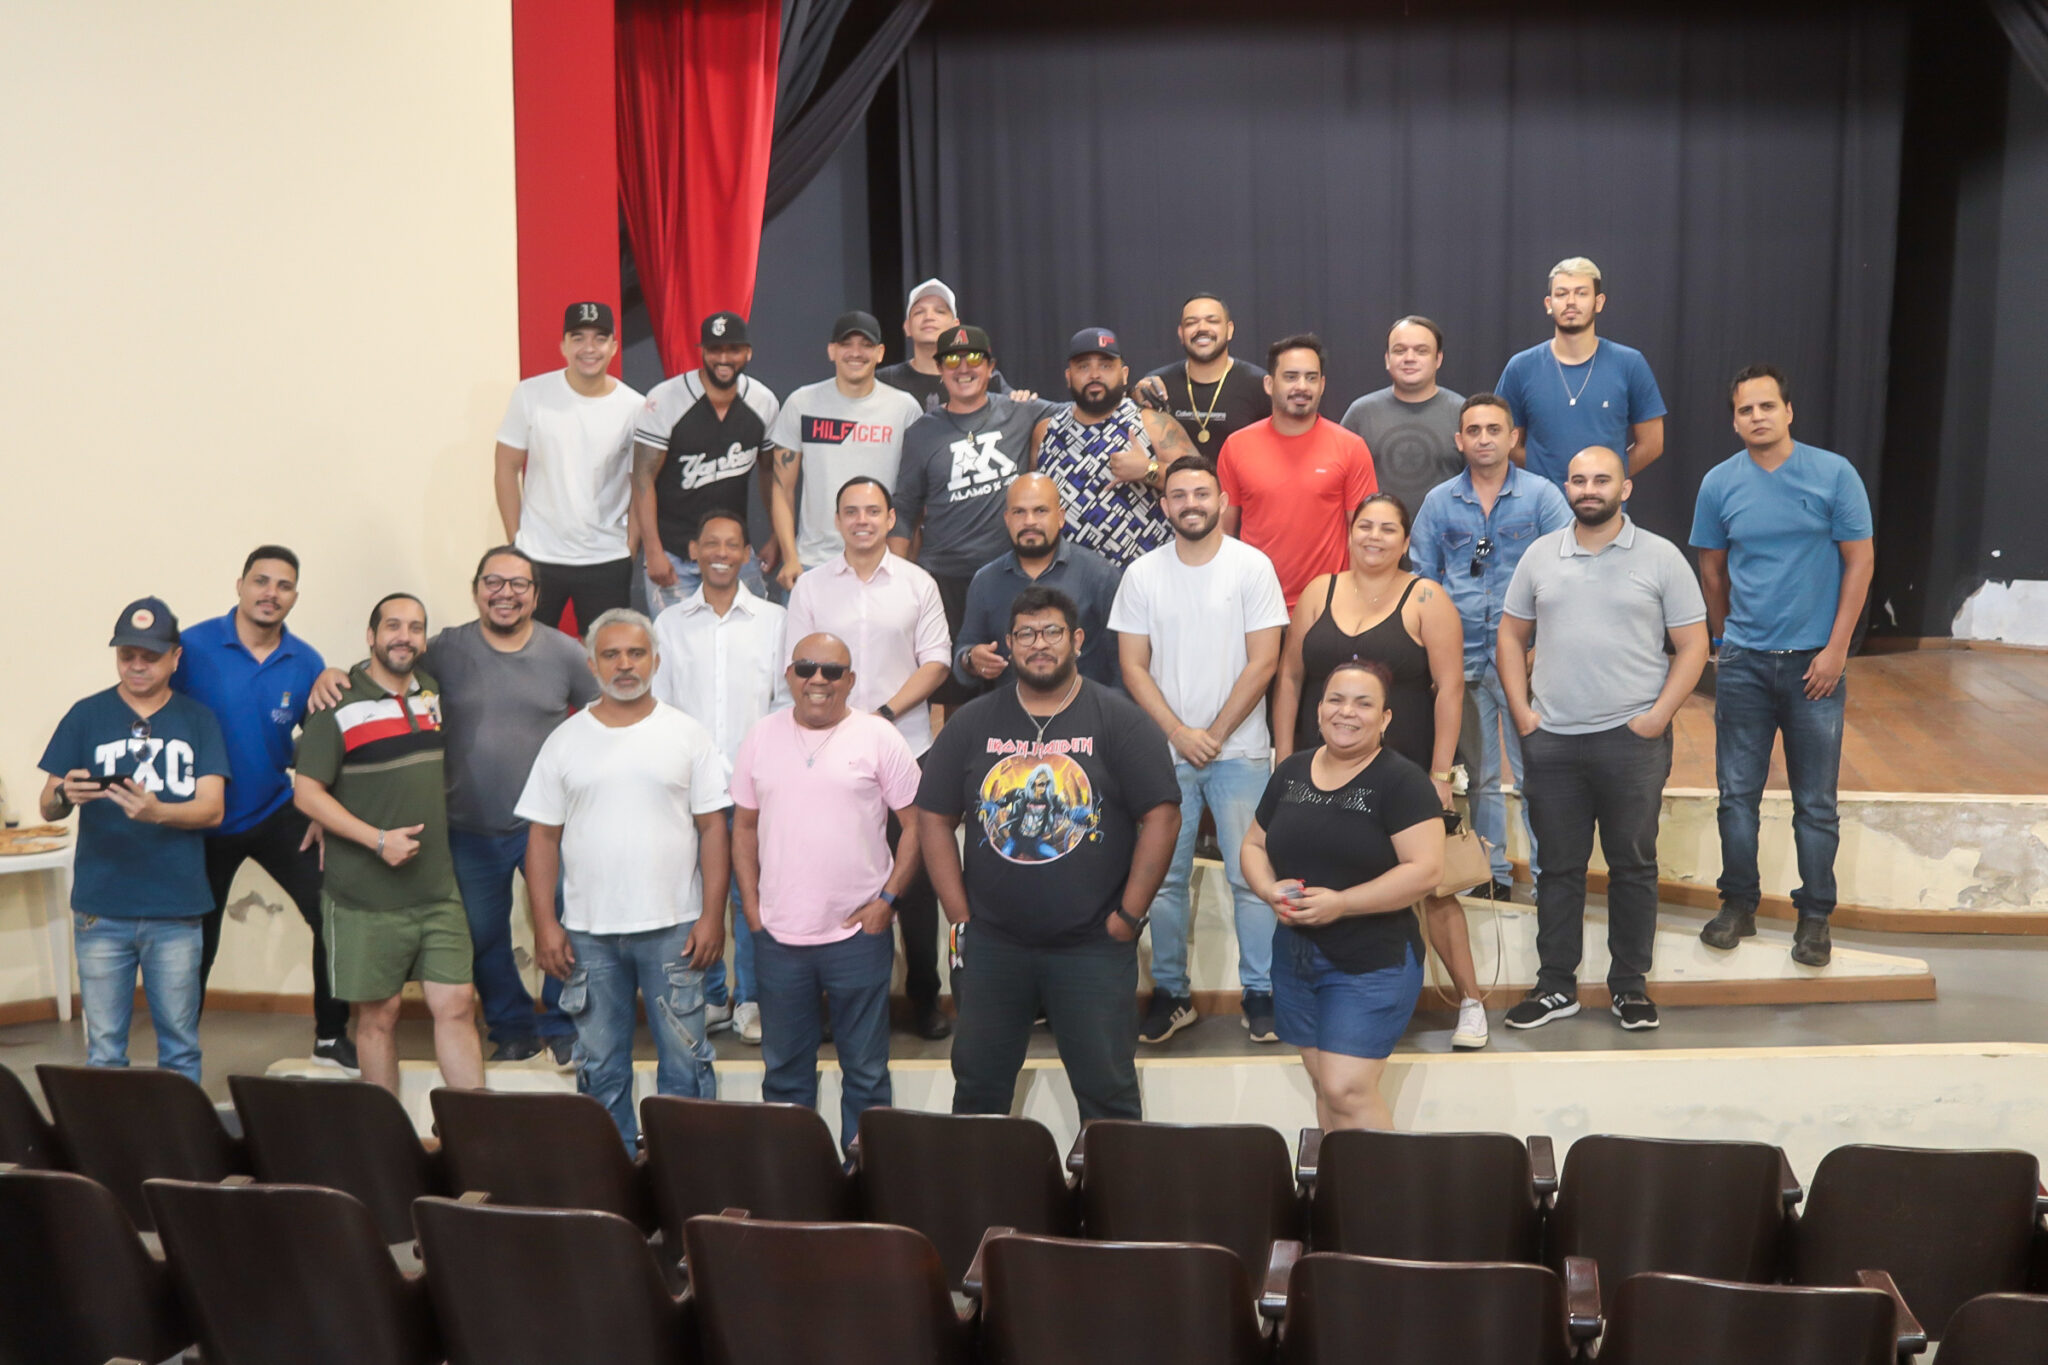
{"type": "Point", "coordinates": [746, 1021]}
{"type": "Point", "coordinates": [1471, 1030]}
{"type": "Point", "coordinates": [717, 1017]}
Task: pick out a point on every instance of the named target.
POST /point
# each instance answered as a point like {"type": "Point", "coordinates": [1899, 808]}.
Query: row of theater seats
{"type": "Point", "coordinates": [1427, 1247]}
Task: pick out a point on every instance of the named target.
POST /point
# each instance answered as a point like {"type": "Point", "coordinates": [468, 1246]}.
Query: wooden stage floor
{"type": "Point", "coordinates": [1927, 721]}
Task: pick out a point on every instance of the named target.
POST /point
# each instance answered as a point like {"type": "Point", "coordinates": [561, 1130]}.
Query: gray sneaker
{"type": "Point", "coordinates": [1734, 924]}
{"type": "Point", "coordinates": [1811, 943]}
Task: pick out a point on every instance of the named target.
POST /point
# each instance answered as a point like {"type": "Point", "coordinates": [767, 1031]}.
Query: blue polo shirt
{"type": "Point", "coordinates": [258, 705]}
{"type": "Point", "coordinates": [1781, 528]}
{"type": "Point", "coordinates": [1562, 409]}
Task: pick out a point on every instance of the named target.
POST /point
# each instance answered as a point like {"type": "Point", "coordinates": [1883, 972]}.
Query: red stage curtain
{"type": "Point", "coordinates": [696, 105]}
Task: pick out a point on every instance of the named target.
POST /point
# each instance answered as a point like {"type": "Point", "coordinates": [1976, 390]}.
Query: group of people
{"type": "Point", "coordinates": [996, 660]}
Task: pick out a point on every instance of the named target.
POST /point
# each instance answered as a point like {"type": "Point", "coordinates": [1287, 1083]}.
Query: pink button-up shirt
{"type": "Point", "coordinates": [893, 623]}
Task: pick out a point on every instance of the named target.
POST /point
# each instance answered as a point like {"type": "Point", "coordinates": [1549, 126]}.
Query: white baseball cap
{"type": "Point", "coordinates": [934, 285]}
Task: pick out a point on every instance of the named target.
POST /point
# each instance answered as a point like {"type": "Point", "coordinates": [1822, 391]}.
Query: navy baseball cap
{"type": "Point", "coordinates": [146, 624]}
{"type": "Point", "coordinates": [578, 316]}
{"type": "Point", "coordinates": [1094, 341]}
{"type": "Point", "coordinates": [724, 329]}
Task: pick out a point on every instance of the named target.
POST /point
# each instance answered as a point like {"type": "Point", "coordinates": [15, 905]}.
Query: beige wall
{"type": "Point", "coordinates": [258, 266]}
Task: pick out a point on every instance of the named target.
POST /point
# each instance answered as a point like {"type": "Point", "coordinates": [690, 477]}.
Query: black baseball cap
{"type": "Point", "coordinates": [146, 623]}
{"type": "Point", "coordinates": [864, 323]}
{"type": "Point", "coordinates": [1094, 341]}
{"type": "Point", "coordinates": [962, 339]}
{"type": "Point", "coordinates": [724, 329]}
{"type": "Point", "coordinates": [577, 316]}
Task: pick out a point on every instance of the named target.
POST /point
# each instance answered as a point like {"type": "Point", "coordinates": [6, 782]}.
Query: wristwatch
{"type": "Point", "coordinates": [1443, 776]}
{"type": "Point", "coordinates": [884, 712]}
{"type": "Point", "coordinates": [1152, 468]}
{"type": "Point", "coordinates": [1137, 922]}
{"type": "Point", "coordinates": [886, 897]}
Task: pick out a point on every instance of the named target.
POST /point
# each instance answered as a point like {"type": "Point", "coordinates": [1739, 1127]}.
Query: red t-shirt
{"type": "Point", "coordinates": [1296, 494]}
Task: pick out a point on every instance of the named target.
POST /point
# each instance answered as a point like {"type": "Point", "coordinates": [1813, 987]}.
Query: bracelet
{"type": "Point", "coordinates": [380, 843]}
{"type": "Point", "coordinates": [886, 897]}
{"type": "Point", "coordinates": [1713, 641]}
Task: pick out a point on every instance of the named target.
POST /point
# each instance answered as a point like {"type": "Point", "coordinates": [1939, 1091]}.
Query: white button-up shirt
{"type": "Point", "coordinates": [724, 672]}
{"type": "Point", "coordinates": [893, 624]}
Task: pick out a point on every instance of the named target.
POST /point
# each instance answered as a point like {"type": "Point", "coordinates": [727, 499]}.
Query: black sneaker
{"type": "Point", "coordinates": [337, 1052]}
{"type": "Point", "coordinates": [1539, 1007]}
{"type": "Point", "coordinates": [1730, 927]}
{"type": "Point", "coordinates": [1169, 1015]}
{"type": "Point", "coordinates": [516, 1050]}
{"type": "Point", "coordinates": [1811, 944]}
{"type": "Point", "coordinates": [562, 1047]}
{"type": "Point", "coordinates": [1258, 1016]}
{"type": "Point", "coordinates": [1502, 891]}
{"type": "Point", "coordinates": [931, 1023]}
{"type": "Point", "coordinates": [1635, 1010]}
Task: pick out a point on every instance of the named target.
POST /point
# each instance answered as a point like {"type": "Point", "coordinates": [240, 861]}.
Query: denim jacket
{"type": "Point", "coordinates": [1446, 539]}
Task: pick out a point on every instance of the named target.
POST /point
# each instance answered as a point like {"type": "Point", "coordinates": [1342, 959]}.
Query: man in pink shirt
{"type": "Point", "coordinates": [1294, 479]}
{"type": "Point", "coordinates": [813, 788]}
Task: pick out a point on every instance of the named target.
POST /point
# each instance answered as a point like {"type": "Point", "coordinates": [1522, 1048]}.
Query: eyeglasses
{"type": "Point", "coordinates": [1031, 635]}
{"type": "Point", "coordinates": [498, 583]}
{"type": "Point", "coordinates": [1479, 554]}
{"type": "Point", "coordinates": [956, 359]}
{"type": "Point", "coordinates": [811, 668]}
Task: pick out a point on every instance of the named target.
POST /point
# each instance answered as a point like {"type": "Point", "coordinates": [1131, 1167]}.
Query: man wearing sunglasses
{"type": "Point", "coordinates": [1470, 534]}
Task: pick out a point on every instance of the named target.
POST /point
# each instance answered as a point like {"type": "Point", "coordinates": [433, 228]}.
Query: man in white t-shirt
{"type": "Point", "coordinates": [844, 427]}
{"type": "Point", "coordinates": [1198, 624]}
{"type": "Point", "coordinates": [626, 803]}
{"type": "Point", "coordinates": [565, 472]}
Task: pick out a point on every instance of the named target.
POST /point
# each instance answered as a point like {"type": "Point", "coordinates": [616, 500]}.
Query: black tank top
{"type": "Point", "coordinates": [1413, 701]}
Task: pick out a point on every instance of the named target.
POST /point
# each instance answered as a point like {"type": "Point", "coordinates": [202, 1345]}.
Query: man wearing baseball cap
{"type": "Point", "coordinates": [147, 769]}
{"type": "Point", "coordinates": [696, 445]}
{"type": "Point", "coordinates": [565, 472]}
{"type": "Point", "coordinates": [847, 427]}
{"type": "Point", "coordinates": [929, 313]}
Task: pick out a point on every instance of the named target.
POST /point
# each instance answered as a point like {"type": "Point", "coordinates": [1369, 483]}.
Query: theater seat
{"type": "Point", "coordinates": [1998, 1329]}
{"type": "Point", "coordinates": [289, 1275]}
{"type": "Point", "coordinates": [77, 1286]}
{"type": "Point", "coordinates": [705, 1156]}
{"type": "Point", "coordinates": [1227, 1184]}
{"type": "Point", "coordinates": [541, 1150]}
{"type": "Point", "coordinates": [345, 1135]}
{"type": "Point", "coordinates": [1344, 1309]}
{"type": "Point", "coordinates": [1426, 1196]}
{"type": "Point", "coordinates": [125, 1125]}
{"type": "Point", "coordinates": [955, 1176]}
{"type": "Point", "coordinates": [1059, 1301]}
{"type": "Point", "coordinates": [26, 1138]}
{"type": "Point", "coordinates": [1680, 1320]}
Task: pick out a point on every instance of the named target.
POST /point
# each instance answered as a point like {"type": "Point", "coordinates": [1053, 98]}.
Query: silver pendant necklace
{"type": "Point", "coordinates": [1036, 723]}
{"type": "Point", "coordinates": [811, 755]}
{"type": "Point", "coordinates": [1574, 397]}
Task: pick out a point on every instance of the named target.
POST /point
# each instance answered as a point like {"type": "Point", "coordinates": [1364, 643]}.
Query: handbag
{"type": "Point", "coordinates": [1467, 860]}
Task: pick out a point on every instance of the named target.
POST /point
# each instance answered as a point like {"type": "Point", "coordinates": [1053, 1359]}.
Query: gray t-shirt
{"type": "Point", "coordinates": [955, 469]}
{"type": "Point", "coordinates": [498, 709]}
{"type": "Point", "coordinates": [1414, 445]}
{"type": "Point", "coordinates": [840, 438]}
{"type": "Point", "coordinates": [1600, 624]}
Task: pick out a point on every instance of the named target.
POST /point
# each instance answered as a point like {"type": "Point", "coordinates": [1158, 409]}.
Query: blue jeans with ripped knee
{"type": "Point", "coordinates": [610, 971]}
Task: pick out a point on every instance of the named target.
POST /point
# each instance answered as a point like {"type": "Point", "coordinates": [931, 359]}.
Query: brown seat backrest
{"type": "Point", "coordinates": [274, 1273]}
{"type": "Point", "coordinates": [772, 1293]}
{"type": "Point", "coordinates": [1425, 1197]}
{"type": "Point", "coordinates": [125, 1125]}
{"type": "Point", "coordinates": [26, 1138]}
{"type": "Point", "coordinates": [1680, 1320]}
{"type": "Point", "coordinates": [76, 1285]}
{"type": "Point", "coordinates": [528, 1286]}
{"type": "Point", "coordinates": [955, 1176]}
{"type": "Point", "coordinates": [1998, 1329]}
{"type": "Point", "coordinates": [344, 1135]}
{"type": "Point", "coordinates": [1078, 1303]}
{"type": "Point", "coordinates": [1947, 1225]}
{"type": "Point", "coordinates": [1343, 1309]}
{"type": "Point", "coordinates": [1663, 1204]}
{"type": "Point", "coordinates": [774, 1160]}
{"type": "Point", "coordinates": [1228, 1184]}
{"type": "Point", "coordinates": [540, 1150]}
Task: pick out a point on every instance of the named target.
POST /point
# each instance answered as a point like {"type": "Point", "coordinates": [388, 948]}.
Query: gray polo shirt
{"type": "Point", "coordinates": [955, 470]}
{"type": "Point", "coordinates": [1600, 624]}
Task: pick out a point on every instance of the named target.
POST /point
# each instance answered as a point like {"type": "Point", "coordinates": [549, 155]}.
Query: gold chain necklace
{"type": "Point", "coordinates": [1215, 400]}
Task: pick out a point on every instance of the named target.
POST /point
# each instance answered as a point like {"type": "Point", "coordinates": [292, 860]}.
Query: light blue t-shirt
{"type": "Point", "coordinates": [1614, 390]}
{"type": "Point", "coordinates": [1781, 528]}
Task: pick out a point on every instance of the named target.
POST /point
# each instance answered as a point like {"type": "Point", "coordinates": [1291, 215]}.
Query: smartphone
{"type": "Point", "coordinates": [101, 782]}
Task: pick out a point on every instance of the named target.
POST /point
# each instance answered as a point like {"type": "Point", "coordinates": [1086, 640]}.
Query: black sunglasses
{"type": "Point", "coordinates": [139, 731]}
{"type": "Point", "coordinates": [810, 668]}
{"type": "Point", "coordinates": [1479, 554]}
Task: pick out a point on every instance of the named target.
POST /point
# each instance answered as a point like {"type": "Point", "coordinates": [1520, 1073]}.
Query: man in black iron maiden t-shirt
{"type": "Point", "coordinates": [1072, 809]}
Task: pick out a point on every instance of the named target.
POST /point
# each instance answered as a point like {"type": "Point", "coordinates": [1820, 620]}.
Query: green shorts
{"type": "Point", "coordinates": [371, 954]}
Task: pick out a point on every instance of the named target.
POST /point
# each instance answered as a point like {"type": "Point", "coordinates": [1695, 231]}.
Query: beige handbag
{"type": "Point", "coordinates": [1467, 862]}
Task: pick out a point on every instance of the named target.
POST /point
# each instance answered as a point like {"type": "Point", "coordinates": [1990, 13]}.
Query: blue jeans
{"type": "Point", "coordinates": [742, 950]}
{"type": "Point", "coordinates": [484, 864]}
{"type": "Point", "coordinates": [1489, 806]}
{"type": "Point", "coordinates": [610, 970]}
{"type": "Point", "coordinates": [688, 580]}
{"type": "Point", "coordinates": [1758, 695]}
{"type": "Point", "coordinates": [1230, 788]}
{"type": "Point", "coordinates": [853, 976]}
{"type": "Point", "coordinates": [167, 952]}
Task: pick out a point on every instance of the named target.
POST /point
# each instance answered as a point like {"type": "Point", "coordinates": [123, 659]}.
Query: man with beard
{"type": "Point", "coordinates": [1602, 595]}
{"type": "Point", "coordinates": [1294, 480]}
{"type": "Point", "coordinates": [369, 774]}
{"type": "Point", "coordinates": [1041, 554]}
{"type": "Point", "coordinates": [698, 440]}
{"type": "Point", "coordinates": [1052, 924]}
{"type": "Point", "coordinates": [814, 789]}
{"type": "Point", "coordinates": [1411, 426]}
{"type": "Point", "coordinates": [1577, 390]}
{"type": "Point", "coordinates": [1209, 393]}
{"type": "Point", "coordinates": [930, 313]}
{"type": "Point", "coordinates": [1107, 454]}
{"type": "Point", "coordinates": [627, 804]}
{"type": "Point", "coordinates": [1199, 624]}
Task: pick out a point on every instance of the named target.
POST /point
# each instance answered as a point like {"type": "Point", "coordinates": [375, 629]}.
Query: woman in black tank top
{"type": "Point", "coordinates": [1377, 610]}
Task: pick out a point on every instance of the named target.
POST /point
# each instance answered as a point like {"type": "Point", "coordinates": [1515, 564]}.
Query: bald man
{"type": "Point", "coordinates": [813, 788]}
{"type": "Point", "coordinates": [1602, 595]}
{"type": "Point", "coordinates": [1040, 555]}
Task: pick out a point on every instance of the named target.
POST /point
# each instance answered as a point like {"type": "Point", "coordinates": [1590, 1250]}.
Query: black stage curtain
{"type": "Point", "coordinates": [808, 132]}
{"type": "Point", "coordinates": [2026, 25]}
{"type": "Point", "coordinates": [1736, 178]}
